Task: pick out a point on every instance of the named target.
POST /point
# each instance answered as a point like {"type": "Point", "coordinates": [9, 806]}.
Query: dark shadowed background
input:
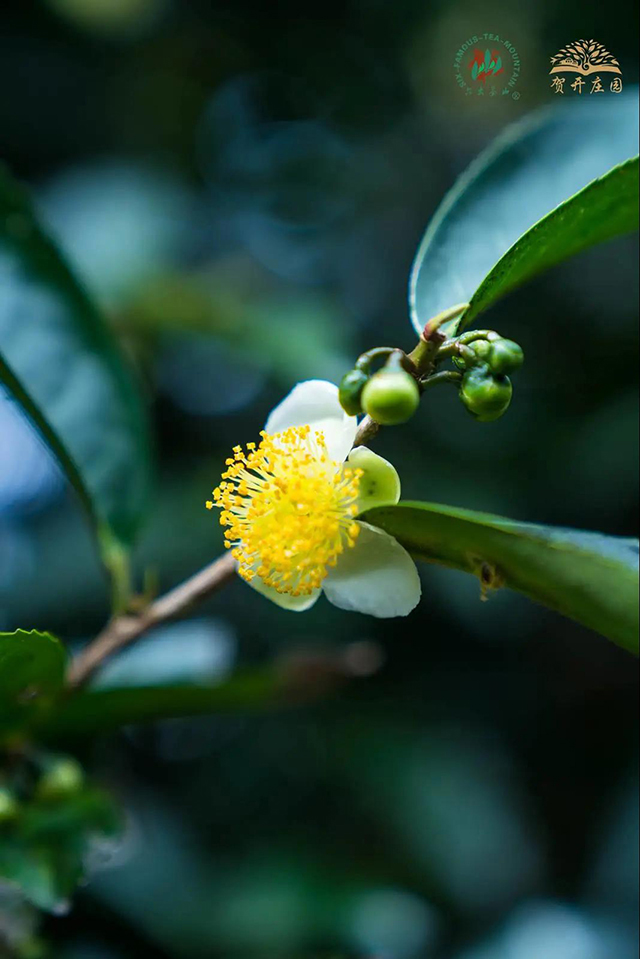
{"type": "Point", "coordinates": [243, 186]}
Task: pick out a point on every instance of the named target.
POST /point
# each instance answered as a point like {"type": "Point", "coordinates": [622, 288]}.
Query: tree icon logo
{"type": "Point", "coordinates": [585, 57]}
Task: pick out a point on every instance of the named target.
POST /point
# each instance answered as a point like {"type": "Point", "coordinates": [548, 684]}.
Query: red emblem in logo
{"type": "Point", "coordinates": [487, 63]}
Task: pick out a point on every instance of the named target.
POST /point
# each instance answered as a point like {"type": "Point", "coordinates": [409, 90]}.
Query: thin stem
{"type": "Point", "coordinates": [116, 561]}
{"type": "Point", "coordinates": [120, 570]}
{"type": "Point", "coordinates": [424, 353]}
{"type": "Point", "coordinates": [467, 354]}
{"type": "Point", "coordinates": [446, 376]}
{"type": "Point", "coordinates": [123, 630]}
{"type": "Point", "coordinates": [365, 360]}
{"type": "Point", "coordinates": [366, 431]}
{"type": "Point", "coordinates": [432, 338]}
{"type": "Point", "coordinates": [451, 347]}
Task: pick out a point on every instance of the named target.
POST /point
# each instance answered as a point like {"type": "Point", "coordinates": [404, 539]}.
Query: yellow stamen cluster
{"type": "Point", "coordinates": [289, 509]}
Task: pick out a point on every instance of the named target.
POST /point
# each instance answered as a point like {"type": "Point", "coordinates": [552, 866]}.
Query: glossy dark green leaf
{"type": "Point", "coordinates": [63, 367]}
{"type": "Point", "coordinates": [588, 577]}
{"type": "Point", "coordinates": [533, 167]}
{"type": "Point", "coordinates": [607, 208]}
{"type": "Point", "coordinates": [32, 668]}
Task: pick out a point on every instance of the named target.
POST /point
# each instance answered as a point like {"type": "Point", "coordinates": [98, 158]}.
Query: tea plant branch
{"type": "Point", "coordinates": [126, 628]}
{"type": "Point", "coordinates": [447, 376]}
{"type": "Point", "coordinates": [419, 364]}
{"type": "Point", "coordinates": [432, 338]}
{"type": "Point", "coordinates": [366, 431]}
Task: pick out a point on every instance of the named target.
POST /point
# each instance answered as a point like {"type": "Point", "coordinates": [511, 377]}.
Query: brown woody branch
{"type": "Point", "coordinates": [123, 630]}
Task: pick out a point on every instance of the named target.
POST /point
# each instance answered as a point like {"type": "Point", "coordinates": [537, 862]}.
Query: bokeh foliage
{"type": "Point", "coordinates": [217, 187]}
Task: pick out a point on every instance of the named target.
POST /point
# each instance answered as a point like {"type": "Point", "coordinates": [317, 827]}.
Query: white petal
{"type": "Point", "coordinates": [315, 403]}
{"type": "Point", "coordinates": [380, 485]}
{"type": "Point", "coordinates": [296, 604]}
{"type": "Point", "coordinates": [376, 576]}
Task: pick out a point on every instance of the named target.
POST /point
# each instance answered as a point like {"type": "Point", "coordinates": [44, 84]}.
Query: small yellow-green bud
{"type": "Point", "coordinates": [485, 395]}
{"type": "Point", "coordinates": [9, 807]}
{"type": "Point", "coordinates": [391, 397]}
{"type": "Point", "coordinates": [64, 777]}
{"type": "Point", "coordinates": [475, 354]}
{"type": "Point", "coordinates": [482, 348]}
{"type": "Point", "coordinates": [505, 356]}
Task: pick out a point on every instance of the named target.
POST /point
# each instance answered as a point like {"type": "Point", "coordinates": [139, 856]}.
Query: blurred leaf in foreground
{"type": "Point", "coordinates": [32, 667]}
{"type": "Point", "coordinates": [62, 365]}
{"type": "Point", "coordinates": [44, 849]}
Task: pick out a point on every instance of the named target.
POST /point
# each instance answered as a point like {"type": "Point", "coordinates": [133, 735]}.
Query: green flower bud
{"type": "Point", "coordinates": [63, 778]}
{"type": "Point", "coordinates": [485, 395]}
{"type": "Point", "coordinates": [475, 354]}
{"type": "Point", "coordinates": [350, 391]}
{"type": "Point", "coordinates": [505, 356]}
{"type": "Point", "coordinates": [482, 348]}
{"type": "Point", "coordinates": [391, 397]}
{"type": "Point", "coordinates": [8, 806]}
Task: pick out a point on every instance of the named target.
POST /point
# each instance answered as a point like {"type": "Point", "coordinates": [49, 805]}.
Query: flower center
{"type": "Point", "coordinates": [289, 509]}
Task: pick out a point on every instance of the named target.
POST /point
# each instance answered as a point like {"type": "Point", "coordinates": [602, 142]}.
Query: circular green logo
{"type": "Point", "coordinates": [486, 65]}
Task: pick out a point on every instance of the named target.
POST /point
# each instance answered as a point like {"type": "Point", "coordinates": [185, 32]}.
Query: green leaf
{"type": "Point", "coordinates": [32, 668]}
{"type": "Point", "coordinates": [588, 577]}
{"type": "Point", "coordinates": [535, 165]}
{"type": "Point", "coordinates": [62, 365]}
{"type": "Point", "coordinates": [44, 852]}
{"type": "Point", "coordinates": [52, 439]}
{"type": "Point", "coordinates": [33, 873]}
{"type": "Point", "coordinates": [608, 207]}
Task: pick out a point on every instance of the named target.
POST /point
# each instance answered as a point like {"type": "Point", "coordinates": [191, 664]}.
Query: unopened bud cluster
{"type": "Point", "coordinates": [486, 389]}
{"type": "Point", "coordinates": [484, 361]}
{"type": "Point", "coordinates": [390, 396]}
{"type": "Point", "coordinates": [51, 781]}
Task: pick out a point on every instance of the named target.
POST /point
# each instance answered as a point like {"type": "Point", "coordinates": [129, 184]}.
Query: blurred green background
{"type": "Point", "coordinates": [243, 187]}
